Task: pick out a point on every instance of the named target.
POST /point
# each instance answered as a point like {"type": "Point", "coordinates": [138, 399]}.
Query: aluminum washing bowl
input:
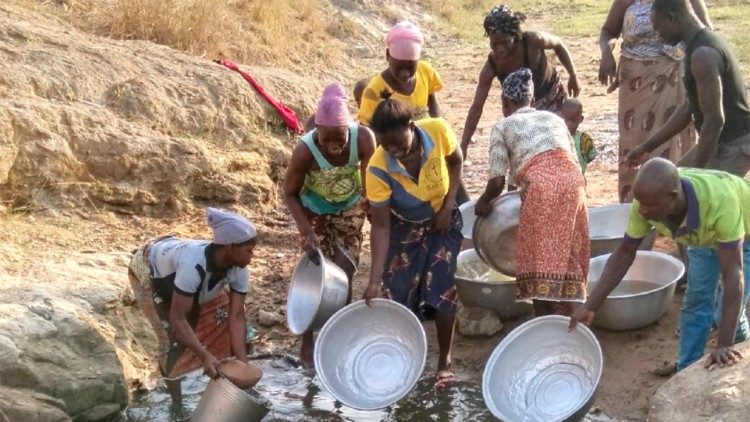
{"type": "Point", "coordinates": [607, 225]}
{"type": "Point", "coordinates": [222, 401]}
{"type": "Point", "coordinates": [369, 358]}
{"type": "Point", "coordinates": [478, 286]}
{"type": "Point", "coordinates": [541, 372]}
{"type": "Point", "coordinates": [644, 294]}
{"type": "Point", "coordinates": [495, 235]}
{"type": "Point", "coordinates": [316, 293]}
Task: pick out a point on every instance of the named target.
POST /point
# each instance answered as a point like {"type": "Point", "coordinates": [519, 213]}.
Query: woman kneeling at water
{"type": "Point", "coordinates": [181, 287]}
{"type": "Point", "coordinates": [412, 181]}
{"type": "Point", "coordinates": [553, 235]}
{"type": "Point", "coordinates": [323, 188]}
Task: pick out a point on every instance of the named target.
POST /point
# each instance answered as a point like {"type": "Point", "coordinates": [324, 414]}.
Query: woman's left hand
{"type": "Point", "coordinates": [574, 88]}
{"type": "Point", "coordinates": [441, 222]}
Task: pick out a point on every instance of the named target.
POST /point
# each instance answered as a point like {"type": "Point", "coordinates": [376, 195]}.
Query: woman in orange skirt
{"type": "Point", "coordinates": [535, 148]}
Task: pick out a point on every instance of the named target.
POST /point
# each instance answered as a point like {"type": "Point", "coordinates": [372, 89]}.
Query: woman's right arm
{"type": "Point", "coordinates": [611, 31]}
{"type": "Point", "coordinates": [700, 9]}
{"type": "Point", "coordinates": [295, 178]}
{"type": "Point", "coordinates": [380, 233]}
{"type": "Point", "coordinates": [486, 77]}
{"type": "Point", "coordinates": [181, 306]}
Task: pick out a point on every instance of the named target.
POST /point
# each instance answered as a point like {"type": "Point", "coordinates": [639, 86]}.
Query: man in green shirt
{"type": "Point", "coordinates": [708, 211]}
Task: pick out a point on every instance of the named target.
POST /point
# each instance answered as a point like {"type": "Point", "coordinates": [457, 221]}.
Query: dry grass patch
{"type": "Point", "coordinates": [264, 32]}
{"type": "Point", "coordinates": [197, 26]}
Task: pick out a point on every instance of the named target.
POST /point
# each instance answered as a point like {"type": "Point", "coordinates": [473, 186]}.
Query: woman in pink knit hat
{"type": "Point", "coordinates": [324, 186]}
{"type": "Point", "coordinates": [407, 78]}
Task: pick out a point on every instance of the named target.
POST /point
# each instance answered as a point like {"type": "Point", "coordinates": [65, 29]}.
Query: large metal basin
{"type": "Point", "coordinates": [644, 294]}
{"type": "Point", "coordinates": [478, 286]}
{"type": "Point", "coordinates": [316, 293]}
{"type": "Point", "coordinates": [495, 235]}
{"type": "Point", "coordinates": [607, 225]}
{"type": "Point", "coordinates": [222, 401]}
{"type": "Point", "coordinates": [370, 357]}
{"type": "Point", "coordinates": [542, 372]}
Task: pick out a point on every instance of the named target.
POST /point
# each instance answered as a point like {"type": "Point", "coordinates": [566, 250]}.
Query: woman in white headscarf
{"type": "Point", "coordinates": [193, 294]}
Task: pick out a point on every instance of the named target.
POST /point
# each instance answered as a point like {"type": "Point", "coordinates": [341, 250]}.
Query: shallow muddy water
{"type": "Point", "coordinates": [296, 395]}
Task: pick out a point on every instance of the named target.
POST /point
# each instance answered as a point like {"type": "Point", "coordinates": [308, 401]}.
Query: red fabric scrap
{"type": "Point", "coordinates": [286, 114]}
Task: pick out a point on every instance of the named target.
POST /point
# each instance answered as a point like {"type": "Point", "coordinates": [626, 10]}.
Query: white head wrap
{"type": "Point", "coordinates": [229, 228]}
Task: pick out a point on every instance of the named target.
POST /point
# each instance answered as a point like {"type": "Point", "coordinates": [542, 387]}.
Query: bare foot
{"type": "Point", "coordinates": [666, 369]}
{"type": "Point", "coordinates": [444, 378]}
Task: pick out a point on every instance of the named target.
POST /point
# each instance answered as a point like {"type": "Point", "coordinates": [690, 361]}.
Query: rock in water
{"type": "Point", "coordinates": [25, 405]}
{"type": "Point", "coordinates": [50, 351]}
{"type": "Point", "coordinates": [478, 322]}
{"type": "Point", "coordinates": [268, 319]}
{"type": "Point", "coordinates": [695, 394]}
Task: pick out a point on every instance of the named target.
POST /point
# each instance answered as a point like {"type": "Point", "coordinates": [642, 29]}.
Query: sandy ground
{"type": "Point", "coordinates": [28, 241]}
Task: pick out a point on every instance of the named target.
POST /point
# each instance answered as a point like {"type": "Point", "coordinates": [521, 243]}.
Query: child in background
{"type": "Point", "coordinates": [571, 111]}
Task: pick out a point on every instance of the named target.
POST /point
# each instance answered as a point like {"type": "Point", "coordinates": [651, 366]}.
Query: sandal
{"type": "Point", "coordinates": [444, 379]}
{"type": "Point", "coordinates": [667, 369]}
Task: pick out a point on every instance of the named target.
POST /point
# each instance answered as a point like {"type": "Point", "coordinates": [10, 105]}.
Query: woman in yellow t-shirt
{"type": "Point", "coordinates": [412, 180]}
{"type": "Point", "coordinates": [407, 78]}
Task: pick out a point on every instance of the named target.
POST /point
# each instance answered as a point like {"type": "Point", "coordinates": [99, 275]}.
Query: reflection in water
{"type": "Point", "coordinates": [296, 396]}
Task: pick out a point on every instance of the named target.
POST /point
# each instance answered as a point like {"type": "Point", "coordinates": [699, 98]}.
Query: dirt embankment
{"type": "Point", "coordinates": [93, 123]}
{"type": "Point", "coordinates": [103, 144]}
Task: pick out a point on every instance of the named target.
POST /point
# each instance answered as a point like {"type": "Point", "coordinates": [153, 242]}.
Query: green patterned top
{"type": "Point", "coordinates": [331, 190]}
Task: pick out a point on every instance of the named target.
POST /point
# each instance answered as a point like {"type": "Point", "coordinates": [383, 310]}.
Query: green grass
{"type": "Point", "coordinates": [562, 17]}
{"type": "Point", "coordinates": [582, 18]}
{"type": "Point", "coordinates": [732, 20]}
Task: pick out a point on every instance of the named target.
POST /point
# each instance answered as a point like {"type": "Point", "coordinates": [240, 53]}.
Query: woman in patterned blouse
{"type": "Point", "coordinates": [534, 147]}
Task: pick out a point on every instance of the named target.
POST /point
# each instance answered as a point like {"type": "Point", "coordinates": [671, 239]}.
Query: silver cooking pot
{"type": "Point", "coordinates": [495, 235]}
{"type": "Point", "coordinates": [317, 291]}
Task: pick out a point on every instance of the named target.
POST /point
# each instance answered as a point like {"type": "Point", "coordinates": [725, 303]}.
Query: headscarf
{"type": "Point", "coordinates": [332, 107]}
{"type": "Point", "coordinates": [501, 20]}
{"type": "Point", "coordinates": [229, 228]}
{"type": "Point", "coordinates": [404, 41]}
{"type": "Point", "coordinates": [519, 86]}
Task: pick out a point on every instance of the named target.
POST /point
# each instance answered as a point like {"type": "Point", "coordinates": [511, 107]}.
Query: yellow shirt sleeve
{"type": "Point", "coordinates": [370, 100]}
{"type": "Point", "coordinates": [434, 82]}
{"type": "Point", "coordinates": [378, 190]}
{"type": "Point", "coordinates": [448, 140]}
{"type": "Point", "coordinates": [638, 227]}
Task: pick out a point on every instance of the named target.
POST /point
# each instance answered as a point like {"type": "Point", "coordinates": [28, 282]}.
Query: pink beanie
{"type": "Point", "coordinates": [333, 109]}
{"type": "Point", "coordinates": [404, 41]}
